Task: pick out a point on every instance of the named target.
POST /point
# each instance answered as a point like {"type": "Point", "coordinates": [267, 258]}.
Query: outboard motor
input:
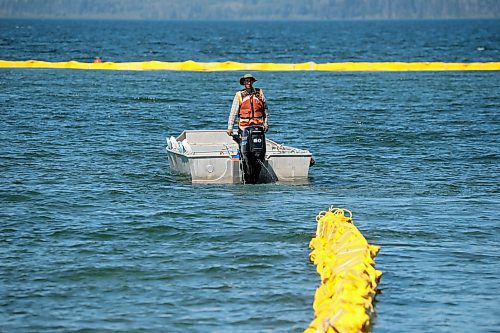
{"type": "Point", "coordinates": [253, 151]}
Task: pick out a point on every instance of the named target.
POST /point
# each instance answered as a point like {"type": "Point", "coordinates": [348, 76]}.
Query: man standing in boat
{"type": "Point", "coordinates": [250, 106]}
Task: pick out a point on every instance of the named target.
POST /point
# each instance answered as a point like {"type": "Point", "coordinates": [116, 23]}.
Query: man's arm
{"type": "Point", "coordinates": [232, 115]}
{"type": "Point", "coordinates": [266, 124]}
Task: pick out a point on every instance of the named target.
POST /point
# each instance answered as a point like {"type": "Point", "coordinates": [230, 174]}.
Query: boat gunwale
{"type": "Point", "coordinates": [198, 155]}
{"type": "Point", "coordinates": [268, 154]}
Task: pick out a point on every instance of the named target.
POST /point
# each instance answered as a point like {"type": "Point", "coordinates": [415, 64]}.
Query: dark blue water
{"type": "Point", "coordinates": [96, 235]}
{"type": "Point", "coordinates": [452, 41]}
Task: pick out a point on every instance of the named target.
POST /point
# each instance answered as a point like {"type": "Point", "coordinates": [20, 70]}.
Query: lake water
{"type": "Point", "coordinates": [96, 235]}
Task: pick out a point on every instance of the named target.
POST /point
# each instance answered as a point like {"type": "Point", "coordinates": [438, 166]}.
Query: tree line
{"type": "Point", "coordinates": [249, 10]}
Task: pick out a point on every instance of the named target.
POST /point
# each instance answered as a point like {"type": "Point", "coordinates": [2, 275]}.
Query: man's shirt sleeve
{"type": "Point", "coordinates": [234, 111]}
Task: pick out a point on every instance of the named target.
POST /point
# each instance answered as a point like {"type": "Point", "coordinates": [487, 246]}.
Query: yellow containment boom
{"type": "Point", "coordinates": [238, 66]}
{"type": "Point", "coordinates": [343, 302]}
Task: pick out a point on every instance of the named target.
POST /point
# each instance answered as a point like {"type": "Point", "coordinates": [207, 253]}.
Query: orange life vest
{"type": "Point", "coordinates": [252, 108]}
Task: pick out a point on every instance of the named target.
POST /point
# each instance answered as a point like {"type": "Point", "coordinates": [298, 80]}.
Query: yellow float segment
{"type": "Point", "coordinates": [237, 66]}
{"type": "Point", "coordinates": [344, 260]}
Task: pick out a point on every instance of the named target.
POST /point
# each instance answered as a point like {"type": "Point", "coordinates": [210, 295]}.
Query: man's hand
{"type": "Point", "coordinates": [230, 132]}
{"type": "Point", "coordinates": [266, 127]}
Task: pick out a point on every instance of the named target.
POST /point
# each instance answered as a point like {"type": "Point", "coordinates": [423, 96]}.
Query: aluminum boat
{"type": "Point", "coordinates": [213, 157]}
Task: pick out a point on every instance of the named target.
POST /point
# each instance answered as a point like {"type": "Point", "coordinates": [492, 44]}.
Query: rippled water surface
{"type": "Point", "coordinates": [96, 235]}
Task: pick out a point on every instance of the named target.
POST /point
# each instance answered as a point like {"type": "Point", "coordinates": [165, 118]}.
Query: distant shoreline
{"type": "Point", "coordinates": [250, 20]}
{"type": "Point", "coordinates": [234, 10]}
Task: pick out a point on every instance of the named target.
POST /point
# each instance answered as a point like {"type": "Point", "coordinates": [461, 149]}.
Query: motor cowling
{"type": "Point", "coordinates": [253, 141]}
{"type": "Point", "coordinates": [253, 150]}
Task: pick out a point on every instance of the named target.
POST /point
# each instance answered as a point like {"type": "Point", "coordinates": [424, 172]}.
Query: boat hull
{"type": "Point", "coordinates": [212, 157]}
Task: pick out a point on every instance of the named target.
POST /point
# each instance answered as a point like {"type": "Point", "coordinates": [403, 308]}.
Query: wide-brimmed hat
{"type": "Point", "coordinates": [247, 76]}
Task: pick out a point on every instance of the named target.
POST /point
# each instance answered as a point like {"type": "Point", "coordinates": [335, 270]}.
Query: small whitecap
{"type": "Point", "coordinates": [480, 48]}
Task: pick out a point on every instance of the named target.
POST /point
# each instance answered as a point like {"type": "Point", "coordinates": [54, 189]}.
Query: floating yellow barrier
{"type": "Point", "coordinates": [343, 302]}
{"type": "Point", "coordinates": [238, 66]}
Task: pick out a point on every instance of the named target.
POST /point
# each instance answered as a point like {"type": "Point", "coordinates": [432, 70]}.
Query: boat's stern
{"type": "Point", "coordinates": [212, 157]}
{"type": "Point", "coordinates": [208, 157]}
